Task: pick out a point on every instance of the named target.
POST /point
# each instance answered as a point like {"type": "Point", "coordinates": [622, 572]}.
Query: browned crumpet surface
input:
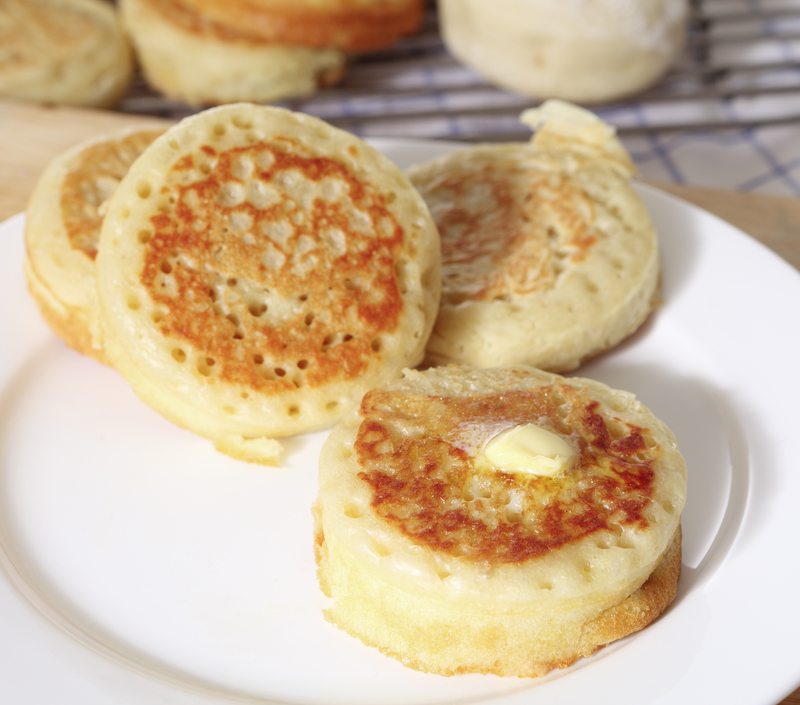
{"type": "Point", "coordinates": [313, 251]}
{"type": "Point", "coordinates": [412, 452]}
{"type": "Point", "coordinates": [349, 25]}
{"type": "Point", "coordinates": [91, 182]}
{"type": "Point", "coordinates": [505, 235]}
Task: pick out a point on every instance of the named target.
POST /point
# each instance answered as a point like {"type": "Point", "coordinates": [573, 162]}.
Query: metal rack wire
{"type": "Point", "coordinates": [740, 68]}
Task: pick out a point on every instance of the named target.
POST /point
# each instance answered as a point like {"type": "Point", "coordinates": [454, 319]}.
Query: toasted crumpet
{"type": "Point", "coordinates": [62, 230]}
{"type": "Point", "coordinates": [451, 564]}
{"type": "Point", "coordinates": [549, 256]}
{"type": "Point", "coordinates": [189, 58]}
{"type": "Point", "coordinates": [259, 270]}
{"type": "Point", "coordinates": [63, 51]}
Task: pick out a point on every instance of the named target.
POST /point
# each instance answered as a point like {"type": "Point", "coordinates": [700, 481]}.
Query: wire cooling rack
{"type": "Point", "coordinates": [740, 69]}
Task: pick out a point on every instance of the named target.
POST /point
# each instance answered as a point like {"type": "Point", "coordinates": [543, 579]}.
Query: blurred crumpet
{"type": "Point", "coordinates": [587, 51]}
{"type": "Point", "coordinates": [208, 52]}
{"type": "Point", "coordinates": [63, 51]}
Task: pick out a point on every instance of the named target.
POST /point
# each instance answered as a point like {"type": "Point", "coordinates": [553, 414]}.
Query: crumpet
{"type": "Point", "coordinates": [259, 270]}
{"type": "Point", "coordinates": [549, 255]}
{"type": "Point", "coordinates": [63, 51]}
{"type": "Point", "coordinates": [588, 51]}
{"type": "Point", "coordinates": [452, 561]}
{"type": "Point", "coordinates": [62, 230]}
{"type": "Point", "coordinates": [187, 56]}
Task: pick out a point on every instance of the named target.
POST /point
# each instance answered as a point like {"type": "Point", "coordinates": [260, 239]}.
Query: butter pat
{"type": "Point", "coordinates": [529, 449]}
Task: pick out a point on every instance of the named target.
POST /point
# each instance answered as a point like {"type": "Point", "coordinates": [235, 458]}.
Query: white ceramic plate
{"type": "Point", "coordinates": [142, 567]}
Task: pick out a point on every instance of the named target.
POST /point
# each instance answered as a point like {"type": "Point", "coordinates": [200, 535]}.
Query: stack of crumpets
{"type": "Point", "coordinates": [208, 52]}
{"type": "Point", "coordinates": [549, 255]}
{"type": "Point", "coordinates": [258, 271]}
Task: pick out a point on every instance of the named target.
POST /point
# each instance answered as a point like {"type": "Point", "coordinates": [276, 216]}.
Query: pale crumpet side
{"type": "Point", "coordinates": [62, 230]}
{"type": "Point", "coordinates": [259, 270]}
{"type": "Point", "coordinates": [587, 51]}
{"type": "Point", "coordinates": [450, 558]}
{"type": "Point", "coordinates": [188, 56]}
{"type": "Point", "coordinates": [549, 255]}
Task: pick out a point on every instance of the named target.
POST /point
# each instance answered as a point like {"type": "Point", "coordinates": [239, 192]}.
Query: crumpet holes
{"type": "Point", "coordinates": [616, 429]}
{"type": "Point", "coordinates": [133, 303]}
{"type": "Point", "coordinates": [293, 411]}
{"type": "Point", "coordinates": [353, 510]}
{"type": "Point", "coordinates": [204, 365]}
{"type": "Point", "coordinates": [144, 236]}
{"type": "Point", "coordinates": [257, 309]}
{"type": "Point", "coordinates": [143, 189]}
{"type": "Point", "coordinates": [332, 407]}
{"type": "Point", "coordinates": [512, 515]}
{"type": "Point", "coordinates": [178, 355]}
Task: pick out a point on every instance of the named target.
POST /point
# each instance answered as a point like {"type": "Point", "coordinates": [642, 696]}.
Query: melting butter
{"type": "Point", "coordinates": [529, 449]}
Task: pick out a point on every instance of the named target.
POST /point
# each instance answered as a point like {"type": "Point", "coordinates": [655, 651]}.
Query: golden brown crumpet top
{"type": "Point", "coordinates": [64, 217]}
{"type": "Point", "coordinates": [63, 51]}
{"type": "Point", "coordinates": [349, 25]}
{"type": "Point", "coordinates": [548, 254]}
{"type": "Point", "coordinates": [87, 186]}
{"type": "Point", "coordinates": [415, 456]}
{"type": "Point", "coordinates": [509, 246]}
{"type": "Point", "coordinates": [261, 270]}
{"type": "Point", "coordinates": [452, 563]}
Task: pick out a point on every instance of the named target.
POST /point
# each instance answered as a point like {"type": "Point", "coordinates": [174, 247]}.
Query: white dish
{"type": "Point", "coordinates": [142, 567]}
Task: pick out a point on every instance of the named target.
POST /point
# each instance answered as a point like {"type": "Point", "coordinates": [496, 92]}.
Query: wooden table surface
{"type": "Point", "coordinates": [31, 135]}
